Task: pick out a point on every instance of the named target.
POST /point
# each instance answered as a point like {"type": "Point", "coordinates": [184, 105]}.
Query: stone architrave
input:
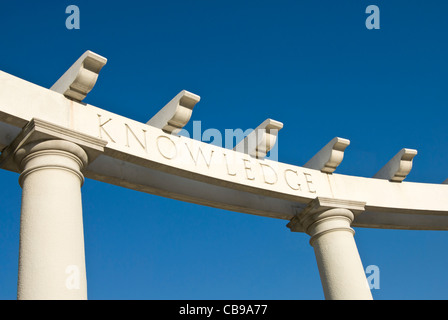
{"type": "Point", "coordinates": [145, 158]}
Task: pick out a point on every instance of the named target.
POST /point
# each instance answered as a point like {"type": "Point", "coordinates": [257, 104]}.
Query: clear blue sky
{"type": "Point", "coordinates": [312, 65]}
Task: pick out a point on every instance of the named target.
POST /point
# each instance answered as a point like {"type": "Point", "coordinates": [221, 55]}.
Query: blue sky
{"type": "Point", "coordinates": [312, 65]}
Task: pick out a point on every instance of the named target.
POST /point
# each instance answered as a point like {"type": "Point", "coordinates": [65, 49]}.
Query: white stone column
{"type": "Point", "coordinates": [51, 256]}
{"type": "Point", "coordinates": [340, 267]}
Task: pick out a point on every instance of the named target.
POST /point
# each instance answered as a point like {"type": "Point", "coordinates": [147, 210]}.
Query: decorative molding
{"type": "Point", "coordinates": [321, 208]}
{"type": "Point", "coordinates": [330, 156]}
{"type": "Point", "coordinates": [323, 203]}
{"type": "Point", "coordinates": [39, 130]}
{"type": "Point", "coordinates": [63, 148]}
{"type": "Point", "coordinates": [398, 167]}
{"type": "Point", "coordinates": [176, 114]}
{"type": "Point", "coordinates": [261, 140]}
{"type": "Point", "coordinates": [81, 77]}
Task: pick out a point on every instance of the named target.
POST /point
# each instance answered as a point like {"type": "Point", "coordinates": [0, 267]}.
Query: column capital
{"type": "Point", "coordinates": [38, 135]}
{"type": "Point", "coordinates": [328, 222]}
{"type": "Point", "coordinates": [44, 145]}
{"type": "Point", "coordinates": [323, 208]}
{"type": "Point", "coordinates": [51, 154]}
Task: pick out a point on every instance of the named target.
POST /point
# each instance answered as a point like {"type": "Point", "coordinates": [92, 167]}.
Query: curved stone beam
{"type": "Point", "coordinates": [329, 157]}
{"type": "Point", "coordinates": [80, 79]}
{"type": "Point", "coordinates": [398, 167]}
{"type": "Point", "coordinates": [261, 140]}
{"type": "Point", "coordinates": [176, 114]}
{"type": "Point", "coordinates": [144, 158]}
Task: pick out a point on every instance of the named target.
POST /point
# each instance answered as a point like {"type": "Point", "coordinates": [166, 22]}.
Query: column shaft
{"type": "Point", "coordinates": [51, 254]}
{"type": "Point", "coordinates": [340, 267]}
{"type": "Point", "coordinates": [328, 221]}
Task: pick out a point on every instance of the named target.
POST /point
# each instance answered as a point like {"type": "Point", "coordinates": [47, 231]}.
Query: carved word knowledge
{"type": "Point", "coordinates": [176, 152]}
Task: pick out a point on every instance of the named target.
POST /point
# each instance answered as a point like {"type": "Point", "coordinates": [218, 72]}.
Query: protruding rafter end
{"type": "Point", "coordinates": [176, 114]}
{"type": "Point", "coordinates": [399, 167]}
{"type": "Point", "coordinates": [81, 77]}
{"type": "Point", "coordinates": [330, 156]}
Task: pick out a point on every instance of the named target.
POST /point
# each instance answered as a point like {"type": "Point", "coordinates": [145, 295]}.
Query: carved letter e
{"type": "Point", "coordinates": [373, 21]}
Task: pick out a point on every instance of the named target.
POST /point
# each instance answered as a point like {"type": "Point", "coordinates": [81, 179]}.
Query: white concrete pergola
{"type": "Point", "coordinates": [54, 140]}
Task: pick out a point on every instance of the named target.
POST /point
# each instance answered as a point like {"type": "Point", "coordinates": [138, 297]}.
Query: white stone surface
{"type": "Point", "coordinates": [329, 157]}
{"type": "Point", "coordinates": [51, 256]}
{"type": "Point", "coordinates": [182, 168]}
{"type": "Point", "coordinates": [261, 140]}
{"type": "Point", "coordinates": [81, 77]}
{"type": "Point", "coordinates": [328, 221]}
{"type": "Point", "coordinates": [59, 140]}
{"type": "Point", "coordinates": [176, 114]}
{"type": "Point", "coordinates": [398, 167]}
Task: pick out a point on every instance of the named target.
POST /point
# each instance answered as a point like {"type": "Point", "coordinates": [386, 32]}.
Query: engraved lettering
{"type": "Point", "coordinates": [168, 150]}
{"type": "Point", "coordinates": [309, 182]}
{"type": "Point", "coordinates": [101, 128]}
{"type": "Point", "coordinates": [248, 169]}
{"type": "Point", "coordinates": [288, 173]}
{"type": "Point", "coordinates": [227, 166]}
{"type": "Point", "coordinates": [269, 178]}
{"type": "Point", "coordinates": [203, 156]}
{"type": "Point", "coordinates": [142, 144]}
